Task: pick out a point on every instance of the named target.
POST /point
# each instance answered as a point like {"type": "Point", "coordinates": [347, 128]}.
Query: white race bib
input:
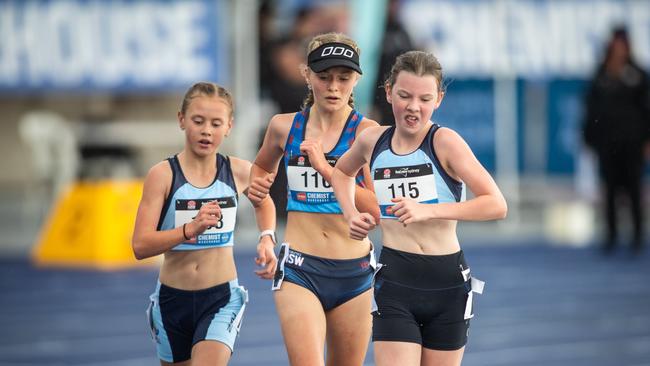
{"type": "Point", "coordinates": [416, 182]}
{"type": "Point", "coordinates": [186, 211]}
{"type": "Point", "coordinates": [306, 184]}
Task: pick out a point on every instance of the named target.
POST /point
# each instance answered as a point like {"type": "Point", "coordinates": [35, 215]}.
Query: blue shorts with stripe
{"type": "Point", "coordinates": [179, 319]}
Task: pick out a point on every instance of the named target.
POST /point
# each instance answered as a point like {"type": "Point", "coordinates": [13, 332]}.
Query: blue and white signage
{"type": "Point", "coordinates": [121, 45]}
{"type": "Point", "coordinates": [527, 38]}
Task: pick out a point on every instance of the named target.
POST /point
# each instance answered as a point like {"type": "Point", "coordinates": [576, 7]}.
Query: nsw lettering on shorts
{"type": "Point", "coordinates": [306, 185]}
{"type": "Point", "coordinates": [221, 233]}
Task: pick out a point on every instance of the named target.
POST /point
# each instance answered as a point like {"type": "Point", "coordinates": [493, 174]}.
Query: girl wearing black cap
{"type": "Point", "coordinates": [322, 284]}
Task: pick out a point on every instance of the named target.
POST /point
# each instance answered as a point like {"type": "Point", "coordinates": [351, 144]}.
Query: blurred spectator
{"type": "Point", "coordinates": [287, 89]}
{"type": "Point", "coordinates": [617, 128]}
{"type": "Point", "coordinates": [395, 42]}
{"type": "Point", "coordinates": [265, 37]}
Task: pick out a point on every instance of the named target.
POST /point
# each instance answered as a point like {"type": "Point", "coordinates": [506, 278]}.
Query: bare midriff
{"type": "Point", "coordinates": [198, 269]}
{"type": "Point", "coordinates": [323, 235]}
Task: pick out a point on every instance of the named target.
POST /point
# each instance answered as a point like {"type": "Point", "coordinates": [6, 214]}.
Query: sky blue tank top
{"type": "Point", "coordinates": [307, 190]}
{"type": "Point", "coordinates": [417, 175]}
{"type": "Point", "coordinates": [185, 200]}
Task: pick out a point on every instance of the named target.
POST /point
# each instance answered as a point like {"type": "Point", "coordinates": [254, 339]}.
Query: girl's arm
{"type": "Point", "coordinates": [364, 197]}
{"type": "Point", "coordinates": [262, 173]}
{"type": "Point", "coordinates": [264, 216]}
{"type": "Point", "coordinates": [344, 185]}
{"type": "Point", "coordinates": [460, 163]}
{"type": "Point", "coordinates": [147, 240]}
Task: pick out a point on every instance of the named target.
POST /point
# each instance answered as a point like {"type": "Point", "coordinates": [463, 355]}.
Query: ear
{"type": "Point", "coordinates": [181, 120]}
{"type": "Point", "coordinates": [441, 95]}
{"type": "Point", "coordinates": [304, 71]}
{"type": "Point", "coordinates": [387, 88]}
{"type": "Point", "coordinates": [230, 122]}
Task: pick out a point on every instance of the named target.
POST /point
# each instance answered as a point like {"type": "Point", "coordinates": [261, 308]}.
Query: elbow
{"type": "Point", "coordinates": [502, 209]}
{"type": "Point", "coordinates": [138, 250]}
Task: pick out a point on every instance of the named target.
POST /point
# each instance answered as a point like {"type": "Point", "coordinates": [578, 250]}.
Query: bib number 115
{"type": "Point", "coordinates": [403, 189]}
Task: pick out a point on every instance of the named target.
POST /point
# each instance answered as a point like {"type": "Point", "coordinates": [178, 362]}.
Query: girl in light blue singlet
{"type": "Point", "coordinates": [423, 287]}
{"type": "Point", "coordinates": [188, 213]}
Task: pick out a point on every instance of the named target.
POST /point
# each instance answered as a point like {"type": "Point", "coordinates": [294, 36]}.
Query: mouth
{"type": "Point", "coordinates": [205, 143]}
{"type": "Point", "coordinates": [332, 99]}
{"type": "Point", "coordinates": [411, 120]}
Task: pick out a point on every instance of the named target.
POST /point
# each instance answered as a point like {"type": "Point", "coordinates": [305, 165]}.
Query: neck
{"type": "Point", "coordinates": [197, 163]}
{"type": "Point", "coordinates": [409, 141]}
{"type": "Point", "coordinates": [326, 119]}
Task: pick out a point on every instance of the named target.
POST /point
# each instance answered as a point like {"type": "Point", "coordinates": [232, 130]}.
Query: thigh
{"type": "Point", "coordinates": [221, 322]}
{"type": "Point", "coordinates": [394, 320]}
{"type": "Point", "coordinates": [432, 357]}
{"type": "Point", "coordinates": [397, 353]}
{"type": "Point", "coordinates": [170, 330]}
{"type": "Point", "coordinates": [303, 324]}
{"type": "Point", "coordinates": [212, 353]}
{"type": "Point", "coordinates": [447, 329]}
{"type": "Point", "coordinates": [348, 331]}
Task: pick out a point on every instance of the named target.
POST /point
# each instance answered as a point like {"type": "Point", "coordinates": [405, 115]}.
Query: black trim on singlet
{"type": "Point", "coordinates": [455, 186]}
{"type": "Point", "coordinates": [384, 142]}
{"type": "Point", "coordinates": [224, 174]}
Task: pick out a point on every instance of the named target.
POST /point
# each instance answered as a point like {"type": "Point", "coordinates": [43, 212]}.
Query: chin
{"type": "Point", "coordinates": [331, 107]}
{"type": "Point", "coordinates": [204, 152]}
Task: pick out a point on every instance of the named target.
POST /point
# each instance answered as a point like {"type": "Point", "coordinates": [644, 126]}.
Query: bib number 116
{"type": "Point", "coordinates": [315, 176]}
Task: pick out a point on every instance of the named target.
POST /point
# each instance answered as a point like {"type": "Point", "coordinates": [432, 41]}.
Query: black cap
{"type": "Point", "coordinates": [333, 54]}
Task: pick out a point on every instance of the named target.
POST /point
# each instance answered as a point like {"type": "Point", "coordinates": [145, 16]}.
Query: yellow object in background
{"type": "Point", "coordinates": [91, 226]}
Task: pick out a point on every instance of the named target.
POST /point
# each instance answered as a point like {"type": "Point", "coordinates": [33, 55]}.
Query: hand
{"type": "Point", "coordinates": [360, 224]}
{"type": "Point", "coordinates": [408, 211]}
{"type": "Point", "coordinates": [266, 258]}
{"type": "Point", "coordinates": [314, 150]}
{"type": "Point", "coordinates": [259, 188]}
{"type": "Point", "coordinates": [208, 216]}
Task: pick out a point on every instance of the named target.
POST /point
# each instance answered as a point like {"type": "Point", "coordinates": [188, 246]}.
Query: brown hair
{"type": "Point", "coordinates": [419, 63]}
{"type": "Point", "coordinates": [320, 40]}
{"type": "Point", "coordinates": [207, 89]}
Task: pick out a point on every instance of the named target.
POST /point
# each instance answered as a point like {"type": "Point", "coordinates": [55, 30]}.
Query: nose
{"type": "Point", "coordinates": [206, 130]}
{"type": "Point", "coordinates": [413, 107]}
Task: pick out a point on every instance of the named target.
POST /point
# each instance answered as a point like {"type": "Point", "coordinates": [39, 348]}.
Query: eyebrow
{"type": "Point", "coordinates": [409, 93]}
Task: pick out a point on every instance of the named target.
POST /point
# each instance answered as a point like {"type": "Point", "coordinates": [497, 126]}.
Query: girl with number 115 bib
{"type": "Point", "coordinates": [423, 287]}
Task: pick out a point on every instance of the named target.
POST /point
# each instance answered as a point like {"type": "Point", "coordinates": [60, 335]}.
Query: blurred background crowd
{"type": "Point", "coordinates": [89, 90]}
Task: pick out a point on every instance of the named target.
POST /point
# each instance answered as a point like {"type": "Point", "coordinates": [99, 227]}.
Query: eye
{"type": "Point", "coordinates": [197, 120]}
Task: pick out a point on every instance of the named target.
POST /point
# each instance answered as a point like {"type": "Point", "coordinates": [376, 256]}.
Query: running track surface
{"type": "Point", "coordinates": [543, 305]}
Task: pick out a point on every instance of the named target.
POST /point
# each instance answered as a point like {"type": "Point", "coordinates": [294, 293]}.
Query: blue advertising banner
{"type": "Point", "coordinates": [94, 45]}
{"type": "Point", "coordinates": [524, 38]}
{"type": "Point", "coordinates": [468, 108]}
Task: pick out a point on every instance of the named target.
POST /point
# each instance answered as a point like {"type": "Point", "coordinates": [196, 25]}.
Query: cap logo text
{"type": "Point", "coordinates": [337, 51]}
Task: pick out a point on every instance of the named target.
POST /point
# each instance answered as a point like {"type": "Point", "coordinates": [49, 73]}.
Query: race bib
{"type": "Point", "coordinates": [306, 185]}
{"type": "Point", "coordinates": [221, 233]}
{"type": "Point", "coordinates": [416, 182]}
